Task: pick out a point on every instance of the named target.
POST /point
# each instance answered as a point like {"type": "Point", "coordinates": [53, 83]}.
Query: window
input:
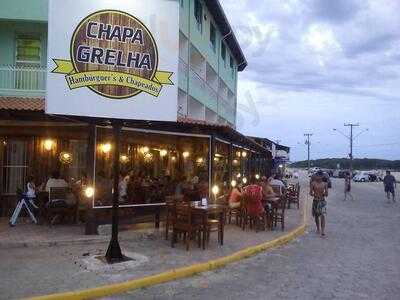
{"type": "Point", "coordinates": [198, 14]}
{"type": "Point", "coordinates": [28, 49]}
{"type": "Point", "coordinates": [223, 52]}
{"type": "Point", "coordinates": [212, 36]}
{"type": "Point", "coordinates": [15, 166]}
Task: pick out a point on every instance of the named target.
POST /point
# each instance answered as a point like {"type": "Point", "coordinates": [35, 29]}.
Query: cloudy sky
{"type": "Point", "coordinates": [315, 65]}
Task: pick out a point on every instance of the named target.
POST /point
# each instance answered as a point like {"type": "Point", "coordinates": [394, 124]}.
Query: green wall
{"type": "Point", "coordinates": [29, 10]}
{"type": "Point", "coordinates": [8, 33]}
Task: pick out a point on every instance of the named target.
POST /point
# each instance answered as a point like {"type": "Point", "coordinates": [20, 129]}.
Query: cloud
{"type": "Point", "coordinates": [315, 64]}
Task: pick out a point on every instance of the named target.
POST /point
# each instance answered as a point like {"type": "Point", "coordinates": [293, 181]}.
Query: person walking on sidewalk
{"type": "Point", "coordinates": [319, 190]}
{"type": "Point", "coordinates": [347, 188]}
{"type": "Point", "coordinates": [389, 183]}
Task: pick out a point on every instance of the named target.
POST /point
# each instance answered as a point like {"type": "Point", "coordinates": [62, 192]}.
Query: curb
{"type": "Point", "coordinates": [183, 272]}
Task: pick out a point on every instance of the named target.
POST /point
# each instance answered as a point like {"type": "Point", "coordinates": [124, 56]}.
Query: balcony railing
{"type": "Point", "coordinates": [14, 79]}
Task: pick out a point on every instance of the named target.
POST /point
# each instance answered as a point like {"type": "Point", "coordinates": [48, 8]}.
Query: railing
{"type": "Point", "coordinates": [219, 102]}
{"type": "Point", "coordinates": [20, 78]}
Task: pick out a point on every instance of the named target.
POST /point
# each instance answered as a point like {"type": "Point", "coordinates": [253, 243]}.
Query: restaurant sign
{"type": "Point", "coordinates": [114, 59]}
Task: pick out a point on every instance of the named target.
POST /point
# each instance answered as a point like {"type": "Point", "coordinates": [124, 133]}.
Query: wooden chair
{"type": "Point", "coordinates": [250, 218]}
{"type": "Point", "coordinates": [57, 205]}
{"type": "Point", "coordinates": [294, 195]}
{"type": "Point", "coordinates": [170, 202]}
{"type": "Point", "coordinates": [183, 224]}
{"type": "Point", "coordinates": [278, 212]}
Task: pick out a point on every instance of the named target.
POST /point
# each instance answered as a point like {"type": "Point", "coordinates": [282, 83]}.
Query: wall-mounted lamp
{"type": "Point", "coordinates": [105, 148]}
{"type": "Point", "coordinates": [48, 144]}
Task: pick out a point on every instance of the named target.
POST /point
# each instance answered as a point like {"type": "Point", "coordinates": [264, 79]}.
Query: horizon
{"type": "Point", "coordinates": [315, 65]}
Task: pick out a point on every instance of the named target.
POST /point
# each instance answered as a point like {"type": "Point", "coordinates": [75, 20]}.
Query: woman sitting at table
{"type": "Point", "coordinates": [234, 197]}
{"type": "Point", "coordinates": [268, 191]}
{"type": "Point", "coordinates": [253, 194]}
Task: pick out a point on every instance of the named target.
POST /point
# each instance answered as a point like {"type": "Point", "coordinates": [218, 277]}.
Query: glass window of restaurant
{"type": "Point", "coordinates": [240, 170]}
{"type": "Point", "coordinates": [39, 157]}
{"type": "Point", "coordinates": [153, 165]}
{"type": "Point", "coordinates": [221, 176]}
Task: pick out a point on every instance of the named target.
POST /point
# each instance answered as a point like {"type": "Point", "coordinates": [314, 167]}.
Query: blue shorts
{"type": "Point", "coordinates": [389, 189]}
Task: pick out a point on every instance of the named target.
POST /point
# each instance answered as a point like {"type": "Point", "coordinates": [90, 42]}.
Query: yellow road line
{"type": "Point", "coordinates": [118, 288]}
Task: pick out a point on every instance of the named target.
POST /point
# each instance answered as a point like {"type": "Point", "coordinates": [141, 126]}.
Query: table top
{"type": "Point", "coordinates": [210, 207]}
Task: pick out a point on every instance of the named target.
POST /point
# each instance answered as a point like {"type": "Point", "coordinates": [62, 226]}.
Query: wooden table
{"type": "Point", "coordinates": [204, 212]}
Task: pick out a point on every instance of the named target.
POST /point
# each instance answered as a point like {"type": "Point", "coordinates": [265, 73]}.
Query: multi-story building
{"type": "Point", "coordinates": [202, 145]}
{"type": "Point", "coordinates": [209, 57]}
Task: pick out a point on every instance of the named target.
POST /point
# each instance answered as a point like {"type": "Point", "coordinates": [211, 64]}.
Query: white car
{"type": "Point", "coordinates": [362, 177]}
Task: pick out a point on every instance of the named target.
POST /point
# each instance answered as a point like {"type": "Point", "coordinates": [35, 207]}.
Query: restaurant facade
{"type": "Point", "coordinates": [202, 147]}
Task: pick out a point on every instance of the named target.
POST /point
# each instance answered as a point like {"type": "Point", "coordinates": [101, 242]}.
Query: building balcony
{"type": "Point", "coordinates": [22, 81]}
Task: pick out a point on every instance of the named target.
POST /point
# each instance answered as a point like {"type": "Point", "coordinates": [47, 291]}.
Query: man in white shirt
{"type": "Point", "coordinates": [55, 181]}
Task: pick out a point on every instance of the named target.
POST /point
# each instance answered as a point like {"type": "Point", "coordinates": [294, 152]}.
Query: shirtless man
{"type": "Point", "coordinates": [319, 190]}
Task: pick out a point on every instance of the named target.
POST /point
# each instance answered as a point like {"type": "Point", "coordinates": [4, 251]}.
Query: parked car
{"type": "Point", "coordinates": [362, 177]}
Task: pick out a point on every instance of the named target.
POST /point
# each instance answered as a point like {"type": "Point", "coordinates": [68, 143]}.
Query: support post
{"type": "Point", "coordinates": [114, 253]}
{"type": "Point", "coordinates": [90, 220]}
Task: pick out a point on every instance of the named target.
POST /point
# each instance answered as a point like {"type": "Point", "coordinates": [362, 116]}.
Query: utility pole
{"type": "Point", "coordinates": [351, 125]}
{"type": "Point", "coordinates": [308, 143]}
{"type": "Point", "coordinates": [351, 138]}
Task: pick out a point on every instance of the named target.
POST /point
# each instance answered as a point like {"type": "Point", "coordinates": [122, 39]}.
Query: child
{"type": "Point", "coordinates": [30, 188]}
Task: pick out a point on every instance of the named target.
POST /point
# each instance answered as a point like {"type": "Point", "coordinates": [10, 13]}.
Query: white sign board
{"type": "Point", "coordinates": [113, 59]}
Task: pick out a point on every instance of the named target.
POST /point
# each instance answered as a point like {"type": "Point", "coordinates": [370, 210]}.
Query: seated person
{"type": "Point", "coordinates": [268, 191]}
{"type": "Point", "coordinates": [276, 181]}
{"type": "Point", "coordinates": [55, 181]}
{"type": "Point", "coordinates": [234, 197]}
{"type": "Point", "coordinates": [253, 195]}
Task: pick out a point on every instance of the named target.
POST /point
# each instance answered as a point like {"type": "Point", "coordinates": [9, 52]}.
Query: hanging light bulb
{"type": "Point", "coordinates": [215, 189]}
{"type": "Point", "coordinates": [163, 153]}
{"type": "Point", "coordinates": [89, 192]}
{"type": "Point", "coordinates": [244, 180]}
{"type": "Point", "coordinates": [186, 154]}
{"type": "Point", "coordinates": [233, 183]}
{"type": "Point", "coordinates": [124, 158]}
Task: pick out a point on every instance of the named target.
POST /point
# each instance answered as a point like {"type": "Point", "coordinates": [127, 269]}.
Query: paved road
{"type": "Point", "coordinates": [359, 259]}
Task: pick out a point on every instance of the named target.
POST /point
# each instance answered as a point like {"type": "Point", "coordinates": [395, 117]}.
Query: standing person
{"type": "Point", "coordinates": [389, 183]}
{"type": "Point", "coordinates": [319, 190]}
{"type": "Point", "coordinates": [123, 187]}
{"type": "Point", "coordinates": [347, 188]}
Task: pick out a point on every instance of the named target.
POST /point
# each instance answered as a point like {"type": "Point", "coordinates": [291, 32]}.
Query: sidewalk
{"type": "Point", "coordinates": [68, 261]}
